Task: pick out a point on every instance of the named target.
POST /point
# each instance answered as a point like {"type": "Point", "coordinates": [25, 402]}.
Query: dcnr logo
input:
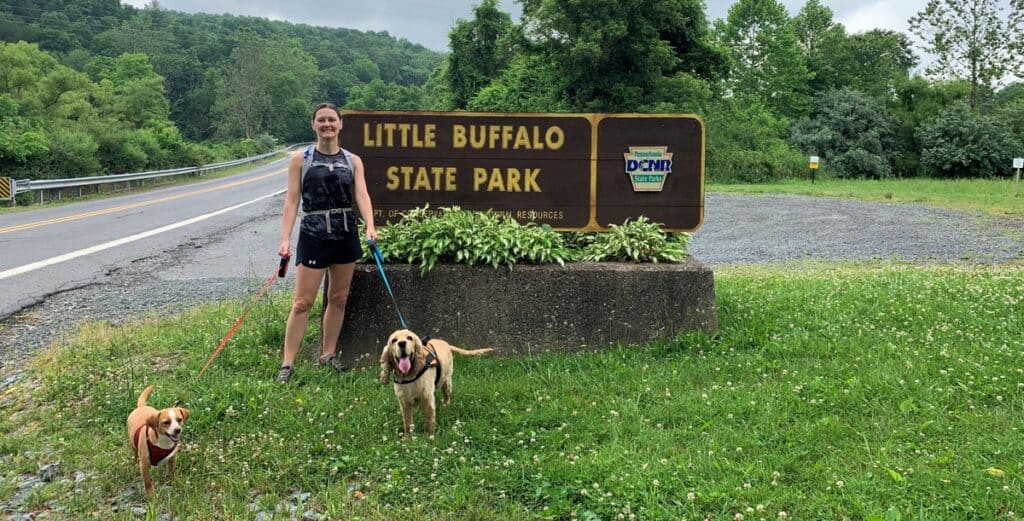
{"type": "Point", "coordinates": [647, 167]}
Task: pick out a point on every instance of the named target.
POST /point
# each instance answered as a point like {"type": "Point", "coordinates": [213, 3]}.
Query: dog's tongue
{"type": "Point", "coordinates": [404, 364]}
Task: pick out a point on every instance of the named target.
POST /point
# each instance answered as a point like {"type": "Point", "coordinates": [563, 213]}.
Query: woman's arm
{"type": "Point", "coordinates": [363, 197]}
{"type": "Point", "coordinates": [291, 203]}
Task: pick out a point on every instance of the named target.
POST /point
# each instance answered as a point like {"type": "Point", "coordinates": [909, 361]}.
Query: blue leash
{"type": "Point", "coordinates": [378, 257]}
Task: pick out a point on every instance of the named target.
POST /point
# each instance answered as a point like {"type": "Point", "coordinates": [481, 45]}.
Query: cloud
{"type": "Point", "coordinates": [425, 22]}
{"type": "Point", "coordinates": [878, 15]}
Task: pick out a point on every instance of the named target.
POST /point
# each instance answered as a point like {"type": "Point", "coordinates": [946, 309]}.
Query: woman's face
{"type": "Point", "coordinates": [326, 123]}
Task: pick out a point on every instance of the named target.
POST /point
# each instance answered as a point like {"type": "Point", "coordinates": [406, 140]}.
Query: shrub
{"type": "Point", "coordinates": [744, 144]}
{"type": "Point", "coordinates": [424, 236]}
{"type": "Point", "coordinates": [636, 241]}
{"type": "Point", "coordinates": [851, 131]}
{"type": "Point", "coordinates": [961, 143]}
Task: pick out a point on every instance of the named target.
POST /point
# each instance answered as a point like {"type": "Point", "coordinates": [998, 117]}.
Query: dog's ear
{"type": "Point", "coordinates": [153, 421]}
{"type": "Point", "coordinates": [386, 363]}
{"type": "Point", "coordinates": [184, 413]}
{"type": "Point", "coordinates": [418, 346]}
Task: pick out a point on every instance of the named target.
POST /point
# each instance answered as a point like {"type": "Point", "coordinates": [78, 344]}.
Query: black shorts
{"type": "Point", "coordinates": [312, 252]}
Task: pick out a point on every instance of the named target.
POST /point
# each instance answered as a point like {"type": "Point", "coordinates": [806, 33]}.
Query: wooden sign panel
{"type": "Point", "coordinates": [652, 166]}
{"type": "Point", "coordinates": [571, 171]}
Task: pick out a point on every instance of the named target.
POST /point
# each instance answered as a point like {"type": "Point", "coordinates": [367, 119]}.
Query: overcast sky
{"type": "Point", "coordinates": [427, 22]}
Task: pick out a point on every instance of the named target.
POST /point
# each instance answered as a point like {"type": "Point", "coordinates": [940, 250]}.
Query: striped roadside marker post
{"type": "Point", "coordinates": [7, 190]}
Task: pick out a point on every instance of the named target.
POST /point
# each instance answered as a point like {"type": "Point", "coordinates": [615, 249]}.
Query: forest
{"type": "Point", "coordinates": [91, 87]}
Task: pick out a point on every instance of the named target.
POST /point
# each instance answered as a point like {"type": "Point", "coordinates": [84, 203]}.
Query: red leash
{"type": "Point", "coordinates": [281, 270]}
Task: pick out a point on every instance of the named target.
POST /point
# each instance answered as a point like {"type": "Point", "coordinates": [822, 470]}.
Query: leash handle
{"type": "Point", "coordinates": [283, 268]}
{"type": "Point", "coordinates": [378, 257]}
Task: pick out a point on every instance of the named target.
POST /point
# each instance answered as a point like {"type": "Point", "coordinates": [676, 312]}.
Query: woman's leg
{"type": "Point", "coordinates": [337, 297]}
{"type": "Point", "coordinates": [307, 282]}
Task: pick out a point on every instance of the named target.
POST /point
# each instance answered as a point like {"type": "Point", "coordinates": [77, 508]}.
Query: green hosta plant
{"type": "Point", "coordinates": [426, 237]}
{"type": "Point", "coordinates": [639, 240]}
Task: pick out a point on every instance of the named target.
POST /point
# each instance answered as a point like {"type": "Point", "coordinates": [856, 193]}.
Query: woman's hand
{"type": "Point", "coordinates": [284, 249]}
{"type": "Point", "coordinates": [371, 232]}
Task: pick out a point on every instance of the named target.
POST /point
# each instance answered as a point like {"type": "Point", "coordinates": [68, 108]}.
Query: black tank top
{"type": "Point", "coordinates": [328, 185]}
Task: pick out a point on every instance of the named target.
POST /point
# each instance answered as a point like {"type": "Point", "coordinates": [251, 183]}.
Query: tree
{"type": "Point", "coordinates": [436, 94]}
{"type": "Point", "coordinates": [874, 62]}
{"type": "Point", "coordinates": [478, 51]}
{"type": "Point", "coordinates": [379, 95]}
{"type": "Point", "coordinates": [767, 62]}
{"type": "Point", "coordinates": [335, 84]}
{"type": "Point", "coordinates": [971, 40]}
{"type": "Point", "coordinates": [527, 85]}
{"type": "Point", "coordinates": [20, 138]}
{"type": "Point", "coordinates": [153, 32]}
{"type": "Point", "coordinates": [131, 90]}
{"type": "Point", "coordinates": [819, 38]}
{"type": "Point", "coordinates": [1009, 106]}
{"type": "Point", "coordinates": [612, 56]}
{"type": "Point", "coordinates": [744, 144]}
{"type": "Point", "coordinates": [365, 70]}
{"type": "Point", "coordinates": [54, 33]}
{"type": "Point", "coordinates": [263, 87]}
{"type": "Point", "coordinates": [813, 25]}
{"type": "Point", "coordinates": [960, 142]}
{"type": "Point", "coordinates": [56, 123]}
{"type": "Point", "coordinates": [919, 101]}
{"type": "Point", "coordinates": [852, 132]}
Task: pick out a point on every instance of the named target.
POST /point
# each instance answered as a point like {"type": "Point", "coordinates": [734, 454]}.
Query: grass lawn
{"type": "Point", "coordinates": [860, 391]}
{"type": "Point", "coordinates": [1001, 197]}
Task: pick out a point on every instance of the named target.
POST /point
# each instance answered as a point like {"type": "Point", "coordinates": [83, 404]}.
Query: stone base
{"type": "Point", "coordinates": [530, 308]}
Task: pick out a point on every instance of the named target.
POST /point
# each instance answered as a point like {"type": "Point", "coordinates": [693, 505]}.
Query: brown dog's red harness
{"type": "Point", "coordinates": [156, 453]}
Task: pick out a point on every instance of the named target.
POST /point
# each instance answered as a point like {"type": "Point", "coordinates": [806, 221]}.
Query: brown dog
{"type": "Point", "coordinates": [418, 369]}
{"type": "Point", "coordinates": [154, 436]}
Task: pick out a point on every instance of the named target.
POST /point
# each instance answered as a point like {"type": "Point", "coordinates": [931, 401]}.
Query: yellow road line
{"type": "Point", "coordinates": [139, 204]}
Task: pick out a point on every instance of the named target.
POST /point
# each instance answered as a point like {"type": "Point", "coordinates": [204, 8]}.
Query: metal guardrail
{"type": "Point", "coordinates": [27, 185]}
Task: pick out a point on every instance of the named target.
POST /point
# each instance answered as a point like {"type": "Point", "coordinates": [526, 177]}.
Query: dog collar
{"type": "Point", "coordinates": [431, 361]}
{"type": "Point", "coordinates": [156, 453]}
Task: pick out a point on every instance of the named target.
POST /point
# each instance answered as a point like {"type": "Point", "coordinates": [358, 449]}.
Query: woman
{"type": "Point", "coordinates": [328, 234]}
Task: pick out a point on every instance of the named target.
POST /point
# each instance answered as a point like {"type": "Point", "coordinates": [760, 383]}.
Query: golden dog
{"type": "Point", "coordinates": [418, 370]}
{"type": "Point", "coordinates": [154, 436]}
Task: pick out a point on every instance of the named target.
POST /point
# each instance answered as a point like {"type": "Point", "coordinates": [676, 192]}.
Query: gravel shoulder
{"type": "Point", "coordinates": [737, 229]}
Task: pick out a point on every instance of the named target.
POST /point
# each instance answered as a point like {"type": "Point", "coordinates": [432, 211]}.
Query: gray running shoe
{"type": "Point", "coordinates": [285, 374]}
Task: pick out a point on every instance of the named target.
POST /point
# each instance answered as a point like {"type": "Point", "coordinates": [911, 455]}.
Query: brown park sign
{"type": "Point", "coordinates": [578, 172]}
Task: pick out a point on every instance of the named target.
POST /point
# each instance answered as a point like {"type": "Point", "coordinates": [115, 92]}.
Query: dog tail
{"type": "Point", "coordinates": [144, 396]}
{"type": "Point", "coordinates": [471, 352]}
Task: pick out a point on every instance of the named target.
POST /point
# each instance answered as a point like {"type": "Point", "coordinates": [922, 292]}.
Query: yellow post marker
{"type": "Point", "coordinates": [813, 161]}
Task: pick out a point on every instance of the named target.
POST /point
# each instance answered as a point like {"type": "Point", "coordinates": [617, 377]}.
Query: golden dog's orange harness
{"type": "Point", "coordinates": [431, 361]}
{"type": "Point", "coordinates": [156, 453]}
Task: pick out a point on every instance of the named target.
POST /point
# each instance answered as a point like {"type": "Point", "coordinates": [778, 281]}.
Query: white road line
{"type": "Point", "coordinates": [124, 240]}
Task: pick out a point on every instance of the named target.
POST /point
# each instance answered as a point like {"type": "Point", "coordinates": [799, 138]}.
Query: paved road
{"type": "Point", "coordinates": [56, 249]}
